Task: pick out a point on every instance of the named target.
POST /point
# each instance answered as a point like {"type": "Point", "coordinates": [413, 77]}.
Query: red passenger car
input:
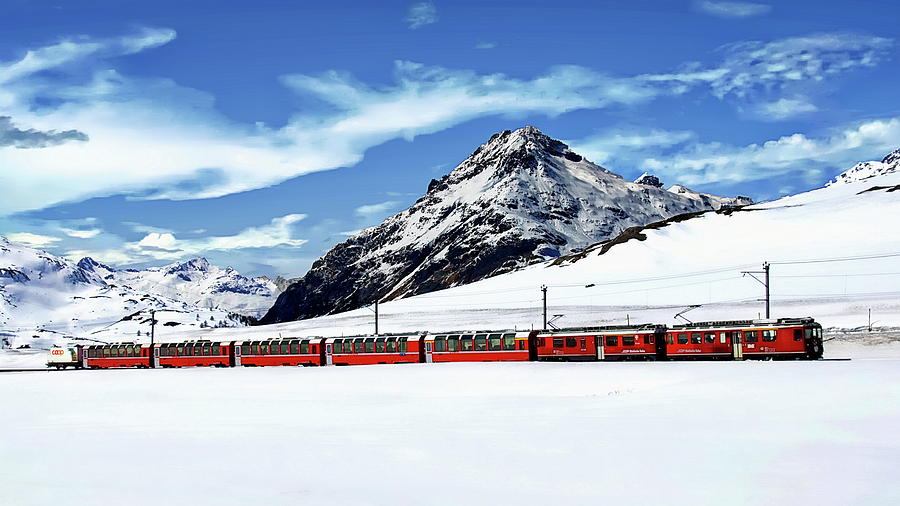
{"type": "Point", "coordinates": [193, 354]}
{"type": "Point", "coordinates": [477, 346]}
{"type": "Point", "coordinates": [281, 351]}
{"type": "Point", "coordinates": [602, 343]}
{"type": "Point", "coordinates": [740, 339]}
{"type": "Point", "coordinates": [103, 356]}
{"type": "Point", "coordinates": [380, 349]}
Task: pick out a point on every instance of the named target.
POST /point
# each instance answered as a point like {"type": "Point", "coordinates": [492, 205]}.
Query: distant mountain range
{"type": "Point", "coordinates": [519, 199]}
{"type": "Point", "coordinates": [43, 296]}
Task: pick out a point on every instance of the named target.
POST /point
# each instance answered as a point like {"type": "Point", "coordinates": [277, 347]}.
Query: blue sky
{"type": "Point", "coordinates": [259, 134]}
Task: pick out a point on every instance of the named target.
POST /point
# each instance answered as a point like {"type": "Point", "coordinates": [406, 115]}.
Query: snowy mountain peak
{"type": "Point", "coordinates": [195, 264]}
{"type": "Point", "coordinates": [89, 264]}
{"type": "Point", "coordinates": [865, 170]}
{"type": "Point", "coordinates": [649, 180]}
{"type": "Point", "coordinates": [520, 198]}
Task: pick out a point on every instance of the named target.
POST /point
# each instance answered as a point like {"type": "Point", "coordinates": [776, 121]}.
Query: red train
{"type": "Point", "coordinates": [729, 340]}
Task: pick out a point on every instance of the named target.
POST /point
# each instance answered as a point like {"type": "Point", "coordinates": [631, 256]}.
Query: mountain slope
{"type": "Point", "coordinates": [519, 199]}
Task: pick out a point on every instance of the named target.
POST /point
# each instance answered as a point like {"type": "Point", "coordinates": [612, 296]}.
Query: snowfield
{"type": "Point", "coordinates": [821, 433]}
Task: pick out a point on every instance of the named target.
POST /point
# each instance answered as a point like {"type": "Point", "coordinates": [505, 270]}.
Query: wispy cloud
{"type": "Point", "coordinates": [421, 14]}
{"type": "Point", "coordinates": [622, 144]}
{"type": "Point", "coordinates": [756, 68]}
{"type": "Point", "coordinates": [837, 150]}
{"type": "Point", "coordinates": [10, 135]}
{"type": "Point", "coordinates": [486, 45]}
{"type": "Point", "coordinates": [371, 211]}
{"type": "Point", "coordinates": [34, 240]}
{"type": "Point", "coordinates": [785, 108]}
{"type": "Point", "coordinates": [166, 246]}
{"type": "Point", "coordinates": [732, 9]}
{"type": "Point", "coordinates": [81, 233]}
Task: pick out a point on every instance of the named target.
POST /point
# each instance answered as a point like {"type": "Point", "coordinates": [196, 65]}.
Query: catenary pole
{"type": "Point", "coordinates": [544, 290]}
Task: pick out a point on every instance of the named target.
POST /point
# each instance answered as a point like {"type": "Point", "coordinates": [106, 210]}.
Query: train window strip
{"type": "Point", "coordinates": [768, 335]}
{"type": "Point", "coordinates": [627, 340]}
{"type": "Point", "coordinates": [612, 340]}
{"type": "Point", "coordinates": [682, 338]}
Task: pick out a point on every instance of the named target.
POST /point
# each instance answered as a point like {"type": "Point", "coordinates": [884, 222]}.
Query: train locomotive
{"type": "Point", "coordinates": [784, 338]}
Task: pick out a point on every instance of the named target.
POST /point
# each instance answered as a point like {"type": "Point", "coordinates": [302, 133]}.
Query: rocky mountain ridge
{"type": "Point", "coordinates": [864, 170]}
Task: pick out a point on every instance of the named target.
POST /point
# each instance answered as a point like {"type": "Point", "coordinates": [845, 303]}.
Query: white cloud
{"type": "Point", "coordinates": [732, 9]}
{"type": "Point", "coordinates": [34, 240]}
{"type": "Point", "coordinates": [486, 45]}
{"type": "Point", "coordinates": [785, 108]}
{"type": "Point", "coordinates": [375, 210]}
{"type": "Point", "coordinates": [152, 136]}
{"type": "Point", "coordinates": [757, 68]}
{"type": "Point", "coordinates": [837, 150]}
{"type": "Point", "coordinates": [605, 146]}
{"type": "Point", "coordinates": [421, 14]}
{"type": "Point", "coordinates": [81, 234]}
{"type": "Point", "coordinates": [167, 246]}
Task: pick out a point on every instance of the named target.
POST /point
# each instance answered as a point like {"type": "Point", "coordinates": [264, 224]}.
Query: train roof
{"type": "Point", "coordinates": [606, 328]}
{"type": "Point", "coordinates": [748, 323]}
{"type": "Point", "coordinates": [454, 332]}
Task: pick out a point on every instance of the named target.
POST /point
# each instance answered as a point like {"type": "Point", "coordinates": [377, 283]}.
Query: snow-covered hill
{"type": "Point", "coordinates": [519, 199]}
{"type": "Point", "coordinates": [865, 170]}
{"type": "Point", "coordinates": [195, 282]}
{"type": "Point", "coordinates": [46, 299]}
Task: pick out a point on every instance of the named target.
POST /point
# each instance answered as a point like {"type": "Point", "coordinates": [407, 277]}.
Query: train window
{"type": "Point", "coordinates": [736, 336]}
{"type": "Point", "coordinates": [751, 336]}
{"type": "Point", "coordinates": [670, 339]}
{"type": "Point", "coordinates": [245, 349]}
{"type": "Point", "coordinates": [612, 340]}
{"type": "Point", "coordinates": [721, 338]}
{"type": "Point", "coordinates": [696, 338]}
{"type": "Point", "coordinates": [521, 345]}
{"type": "Point", "coordinates": [392, 345]}
{"type": "Point", "coordinates": [379, 345]}
{"type": "Point", "coordinates": [198, 350]}
{"type": "Point", "coordinates": [276, 348]}
{"type": "Point", "coordinates": [304, 347]}
{"type": "Point", "coordinates": [809, 333]}
{"type": "Point", "coordinates": [627, 340]}
{"type": "Point", "coordinates": [295, 347]}
{"type": "Point", "coordinates": [207, 350]}
{"type": "Point", "coordinates": [179, 349]}
{"type": "Point", "coordinates": [402, 345]}
{"type": "Point", "coordinates": [480, 342]}
{"type": "Point", "coordinates": [254, 349]}
{"type": "Point", "coordinates": [571, 342]}
{"type": "Point", "coordinates": [540, 341]}
{"type": "Point", "coordinates": [768, 335]}
{"type": "Point", "coordinates": [453, 343]}
{"type": "Point", "coordinates": [466, 343]}
{"type": "Point", "coordinates": [370, 345]}
{"type": "Point", "coordinates": [440, 344]}
{"type": "Point", "coordinates": [709, 337]}
{"type": "Point", "coordinates": [798, 334]}
{"type": "Point", "coordinates": [358, 345]}
{"type": "Point", "coordinates": [649, 339]}
{"type": "Point", "coordinates": [494, 342]}
{"type": "Point", "coordinates": [509, 341]}
{"type": "Point", "coordinates": [557, 342]}
{"type": "Point", "coordinates": [682, 338]}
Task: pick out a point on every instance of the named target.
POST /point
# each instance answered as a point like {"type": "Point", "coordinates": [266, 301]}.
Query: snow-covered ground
{"type": "Point", "coordinates": [821, 433]}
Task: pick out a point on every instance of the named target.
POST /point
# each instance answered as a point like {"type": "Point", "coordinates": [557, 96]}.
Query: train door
{"type": "Point", "coordinates": [155, 353]}
{"type": "Point", "coordinates": [236, 350]}
{"type": "Point", "coordinates": [428, 352]}
{"type": "Point", "coordinates": [601, 350]}
{"type": "Point", "coordinates": [329, 354]}
{"type": "Point", "coordinates": [737, 348]}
